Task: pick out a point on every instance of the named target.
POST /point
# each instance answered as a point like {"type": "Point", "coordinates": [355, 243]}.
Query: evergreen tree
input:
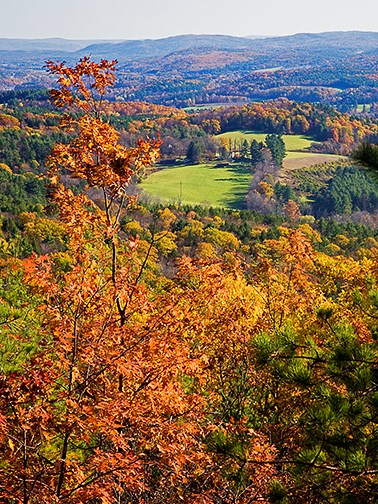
{"type": "Point", "coordinates": [367, 154]}
{"type": "Point", "coordinates": [193, 154]}
{"type": "Point", "coordinates": [244, 149]}
{"type": "Point", "coordinates": [256, 151]}
{"type": "Point", "coordinates": [350, 190]}
{"type": "Point", "coordinates": [276, 145]}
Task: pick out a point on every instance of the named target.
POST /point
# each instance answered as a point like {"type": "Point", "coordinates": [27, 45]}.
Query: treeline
{"type": "Point", "coordinates": [324, 123]}
{"type": "Point", "coordinates": [29, 128]}
{"type": "Point", "coordinates": [14, 97]}
{"type": "Point", "coordinates": [343, 87]}
{"type": "Point", "coordinates": [20, 193]}
{"type": "Point", "coordinates": [211, 76]}
{"type": "Point", "coordinates": [198, 232]}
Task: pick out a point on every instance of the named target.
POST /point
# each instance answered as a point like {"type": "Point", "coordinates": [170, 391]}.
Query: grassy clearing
{"type": "Point", "coordinates": [205, 106]}
{"type": "Point", "coordinates": [224, 187]}
{"type": "Point", "coordinates": [227, 186]}
{"type": "Point", "coordinates": [292, 142]}
{"type": "Point", "coordinates": [211, 106]}
{"type": "Point", "coordinates": [203, 184]}
{"type": "Point", "coordinates": [267, 70]}
{"type": "Point", "coordinates": [360, 107]}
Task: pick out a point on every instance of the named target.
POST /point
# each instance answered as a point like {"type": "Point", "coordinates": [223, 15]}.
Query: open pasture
{"type": "Point", "coordinates": [202, 184]}
{"type": "Point", "coordinates": [225, 186]}
{"type": "Point", "coordinates": [292, 142]}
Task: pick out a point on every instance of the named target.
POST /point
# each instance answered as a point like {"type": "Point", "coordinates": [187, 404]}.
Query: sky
{"type": "Point", "coordinates": [133, 19]}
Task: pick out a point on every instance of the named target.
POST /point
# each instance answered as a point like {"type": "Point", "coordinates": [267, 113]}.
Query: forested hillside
{"type": "Point", "coordinates": [337, 68]}
{"type": "Point", "coordinates": [157, 352]}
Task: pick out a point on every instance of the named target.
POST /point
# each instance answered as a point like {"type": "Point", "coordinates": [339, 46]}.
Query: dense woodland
{"type": "Point", "coordinates": [160, 353]}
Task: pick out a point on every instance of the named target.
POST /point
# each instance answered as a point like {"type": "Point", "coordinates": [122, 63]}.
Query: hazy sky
{"type": "Point", "coordinates": [133, 19]}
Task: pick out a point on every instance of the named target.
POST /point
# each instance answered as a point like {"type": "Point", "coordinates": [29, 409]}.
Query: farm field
{"type": "Point", "coordinates": [200, 184]}
{"type": "Point", "coordinates": [268, 70]}
{"type": "Point", "coordinates": [295, 160]}
{"type": "Point", "coordinates": [210, 106]}
{"type": "Point", "coordinates": [360, 107]}
{"type": "Point", "coordinates": [208, 185]}
{"type": "Point", "coordinates": [225, 187]}
{"type": "Point", "coordinates": [292, 142]}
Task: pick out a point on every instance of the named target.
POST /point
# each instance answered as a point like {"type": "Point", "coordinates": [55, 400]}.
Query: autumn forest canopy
{"type": "Point", "coordinates": [157, 347]}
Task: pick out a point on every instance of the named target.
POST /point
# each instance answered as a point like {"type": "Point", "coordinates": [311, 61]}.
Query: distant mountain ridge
{"type": "Point", "coordinates": [45, 44]}
{"type": "Point", "coordinates": [346, 39]}
{"type": "Point", "coordinates": [338, 68]}
{"type": "Point", "coordinates": [132, 50]}
{"type": "Point", "coordinates": [139, 49]}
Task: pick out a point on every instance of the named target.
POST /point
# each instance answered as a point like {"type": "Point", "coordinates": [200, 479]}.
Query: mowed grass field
{"type": "Point", "coordinates": [292, 142]}
{"type": "Point", "coordinates": [202, 184]}
{"type": "Point", "coordinates": [226, 187]}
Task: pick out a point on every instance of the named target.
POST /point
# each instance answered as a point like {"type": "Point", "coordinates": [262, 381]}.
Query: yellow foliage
{"type": "Point", "coordinates": [222, 239]}
{"type": "Point", "coordinates": [166, 217]}
{"type": "Point", "coordinates": [194, 228]}
{"type": "Point", "coordinates": [5, 167]}
{"type": "Point", "coordinates": [165, 242]}
{"type": "Point", "coordinates": [8, 121]}
{"type": "Point", "coordinates": [342, 240]}
{"type": "Point", "coordinates": [43, 229]}
{"type": "Point", "coordinates": [3, 245]}
{"type": "Point", "coordinates": [133, 228]}
{"type": "Point", "coordinates": [205, 251]}
{"type": "Point", "coordinates": [256, 231]}
{"type": "Point", "coordinates": [310, 233]}
{"type": "Point", "coordinates": [265, 189]}
{"type": "Point", "coordinates": [333, 249]}
{"type": "Point", "coordinates": [27, 217]}
{"type": "Point", "coordinates": [218, 222]}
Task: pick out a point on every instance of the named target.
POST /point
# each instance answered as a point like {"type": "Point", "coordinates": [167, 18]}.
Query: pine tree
{"type": "Point", "coordinates": [256, 152]}
{"type": "Point", "coordinates": [193, 153]}
{"type": "Point", "coordinates": [276, 145]}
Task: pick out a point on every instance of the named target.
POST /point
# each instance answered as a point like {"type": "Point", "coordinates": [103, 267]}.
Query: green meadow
{"type": "Point", "coordinates": [202, 184]}
{"type": "Point", "coordinates": [360, 107]}
{"type": "Point", "coordinates": [227, 186]}
{"type": "Point", "coordinates": [292, 142]}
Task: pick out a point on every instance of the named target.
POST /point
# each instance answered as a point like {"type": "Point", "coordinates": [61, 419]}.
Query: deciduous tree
{"type": "Point", "coordinates": [100, 411]}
